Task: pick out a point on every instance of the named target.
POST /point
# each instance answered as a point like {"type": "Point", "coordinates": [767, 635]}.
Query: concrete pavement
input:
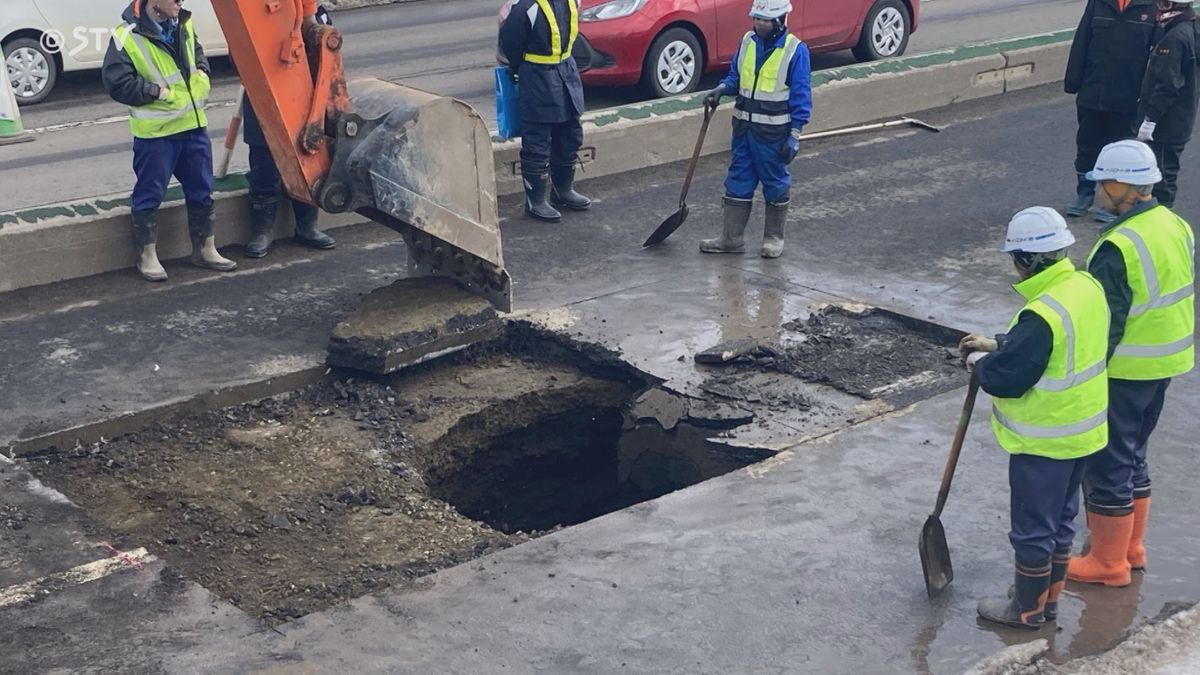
{"type": "Point", "coordinates": [444, 46]}
{"type": "Point", "coordinates": [806, 563]}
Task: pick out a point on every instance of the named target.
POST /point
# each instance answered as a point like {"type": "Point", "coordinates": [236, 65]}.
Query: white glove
{"type": "Point", "coordinates": [1146, 131]}
{"type": "Point", "coordinates": [973, 358]}
{"type": "Point", "coordinates": [977, 343]}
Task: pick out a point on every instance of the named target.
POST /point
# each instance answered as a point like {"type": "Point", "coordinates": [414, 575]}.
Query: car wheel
{"type": "Point", "coordinates": [674, 64]}
{"type": "Point", "coordinates": [885, 32]}
{"type": "Point", "coordinates": [32, 69]}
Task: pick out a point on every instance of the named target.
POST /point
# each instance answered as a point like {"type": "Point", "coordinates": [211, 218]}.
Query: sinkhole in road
{"type": "Point", "coordinates": [288, 505]}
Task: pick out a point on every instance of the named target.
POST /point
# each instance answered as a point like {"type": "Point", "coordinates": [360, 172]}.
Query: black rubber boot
{"type": "Point", "coordinates": [262, 226]}
{"type": "Point", "coordinates": [307, 233]}
{"type": "Point", "coordinates": [1026, 608]}
{"type": "Point", "coordinates": [772, 246]}
{"type": "Point", "coordinates": [145, 240]}
{"type": "Point", "coordinates": [537, 188]}
{"type": "Point", "coordinates": [1058, 581]}
{"type": "Point", "coordinates": [1085, 196]}
{"type": "Point", "coordinates": [733, 234]}
{"type": "Point", "coordinates": [563, 194]}
{"type": "Point", "coordinates": [204, 247]}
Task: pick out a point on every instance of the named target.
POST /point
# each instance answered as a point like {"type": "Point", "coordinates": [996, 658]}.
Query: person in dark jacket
{"type": "Point", "coordinates": [1105, 70]}
{"type": "Point", "coordinates": [537, 39]}
{"type": "Point", "coordinates": [156, 66]}
{"type": "Point", "coordinates": [266, 187]}
{"type": "Point", "coordinates": [1169, 94]}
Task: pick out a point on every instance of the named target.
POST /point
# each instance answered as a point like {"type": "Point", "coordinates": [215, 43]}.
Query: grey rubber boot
{"type": "Point", "coordinates": [262, 226]}
{"type": "Point", "coordinates": [145, 240]}
{"type": "Point", "coordinates": [733, 236]}
{"type": "Point", "coordinates": [1026, 608]}
{"type": "Point", "coordinates": [563, 194]}
{"type": "Point", "coordinates": [1085, 196]}
{"type": "Point", "coordinates": [772, 246]}
{"type": "Point", "coordinates": [204, 247]}
{"type": "Point", "coordinates": [307, 233]}
{"type": "Point", "coordinates": [537, 189]}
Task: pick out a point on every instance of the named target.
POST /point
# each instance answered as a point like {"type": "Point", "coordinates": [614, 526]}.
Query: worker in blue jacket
{"type": "Point", "coordinates": [772, 77]}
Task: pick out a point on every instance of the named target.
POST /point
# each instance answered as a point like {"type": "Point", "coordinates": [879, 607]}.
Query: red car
{"type": "Point", "coordinates": [667, 45]}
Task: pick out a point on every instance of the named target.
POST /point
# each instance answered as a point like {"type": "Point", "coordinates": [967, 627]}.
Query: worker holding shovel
{"type": "Point", "coordinates": [1050, 406]}
{"type": "Point", "coordinates": [772, 76]}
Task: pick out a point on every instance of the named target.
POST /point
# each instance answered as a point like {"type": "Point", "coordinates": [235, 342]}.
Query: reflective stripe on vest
{"type": "Point", "coordinates": [557, 54]}
{"type": "Point", "coordinates": [764, 93]}
{"type": "Point", "coordinates": [1065, 415]}
{"type": "Point", "coordinates": [184, 108]}
{"type": "Point", "coordinates": [1159, 250]}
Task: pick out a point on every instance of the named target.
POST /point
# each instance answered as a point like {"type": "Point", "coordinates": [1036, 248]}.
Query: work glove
{"type": "Point", "coordinates": [973, 358]}
{"type": "Point", "coordinates": [1146, 131]}
{"type": "Point", "coordinates": [713, 98]}
{"type": "Point", "coordinates": [792, 148]}
{"type": "Point", "coordinates": [977, 343]}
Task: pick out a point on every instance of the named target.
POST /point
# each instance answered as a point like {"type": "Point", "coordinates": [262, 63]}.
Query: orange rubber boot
{"type": "Point", "coordinates": [1107, 563]}
{"type": "Point", "coordinates": [1137, 547]}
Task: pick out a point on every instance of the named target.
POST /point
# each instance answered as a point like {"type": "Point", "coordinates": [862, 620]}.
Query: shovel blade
{"type": "Point", "coordinates": [935, 557]}
{"type": "Point", "coordinates": [668, 227]}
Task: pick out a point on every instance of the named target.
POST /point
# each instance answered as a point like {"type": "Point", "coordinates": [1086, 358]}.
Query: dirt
{"type": "Point", "coordinates": [295, 503]}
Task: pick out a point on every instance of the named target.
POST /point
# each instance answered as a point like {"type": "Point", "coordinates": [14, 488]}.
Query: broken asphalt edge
{"type": "Point", "coordinates": [53, 243]}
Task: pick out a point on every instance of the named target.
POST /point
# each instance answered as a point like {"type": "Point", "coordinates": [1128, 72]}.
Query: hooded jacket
{"type": "Point", "coordinates": [122, 80]}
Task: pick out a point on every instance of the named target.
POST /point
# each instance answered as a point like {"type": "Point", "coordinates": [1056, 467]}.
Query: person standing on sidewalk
{"type": "Point", "coordinates": [156, 66]}
{"type": "Point", "coordinates": [266, 186]}
{"type": "Point", "coordinates": [772, 75]}
{"type": "Point", "coordinates": [1145, 261]}
{"type": "Point", "coordinates": [1050, 401]}
{"type": "Point", "coordinates": [537, 38]}
{"type": "Point", "coordinates": [1105, 71]}
{"type": "Point", "coordinates": [1169, 94]}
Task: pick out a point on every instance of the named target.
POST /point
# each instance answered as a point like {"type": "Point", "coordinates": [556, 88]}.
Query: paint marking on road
{"type": "Point", "coordinates": [115, 119]}
{"type": "Point", "coordinates": [75, 576]}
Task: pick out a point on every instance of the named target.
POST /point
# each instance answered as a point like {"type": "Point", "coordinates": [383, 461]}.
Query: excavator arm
{"type": "Point", "coordinates": [418, 163]}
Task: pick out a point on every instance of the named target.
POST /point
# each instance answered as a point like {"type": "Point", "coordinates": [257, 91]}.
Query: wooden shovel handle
{"type": "Point", "coordinates": [964, 421]}
{"type": "Point", "coordinates": [687, 182]}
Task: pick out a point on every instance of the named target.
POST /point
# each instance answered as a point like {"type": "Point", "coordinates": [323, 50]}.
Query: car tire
{"type": "Point", "coordinates": [674, 64]}
{"type": "Point", "coordinates": [33, 70]}
{"type": "Point", "coordinates": [886, 31]}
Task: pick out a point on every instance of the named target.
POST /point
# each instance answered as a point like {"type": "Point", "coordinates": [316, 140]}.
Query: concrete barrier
{"type": "Point", "coordinates": [66, 241]}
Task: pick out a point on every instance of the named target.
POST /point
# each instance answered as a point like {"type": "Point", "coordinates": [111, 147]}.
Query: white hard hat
{"type": "Point", "coordinates": [1128, 162]}
{"type": "Point", "coordinates": [770, 9]}
{"type": "Point", "coordinates": [1038, 229]}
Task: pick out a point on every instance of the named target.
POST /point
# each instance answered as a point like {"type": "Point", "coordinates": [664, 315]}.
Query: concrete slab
{"type": "Point", "coordinates": [807, 562]}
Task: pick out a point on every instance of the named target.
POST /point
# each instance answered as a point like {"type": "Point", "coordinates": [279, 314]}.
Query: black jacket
{"type": "Point", "coordinates": [1109, 54]}
{"type": "Point", "coordinates": [1021, 360]}
{"type": "Point", "coordinates": [549, 94]}
{"type": "Point", "coordinates": [1169, 93]}
{"type": "Point", "coordinates": [121, 78]}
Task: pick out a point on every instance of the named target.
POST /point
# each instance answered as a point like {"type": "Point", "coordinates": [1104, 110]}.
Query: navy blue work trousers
{"type": "Point", "coordinates": [546, 144]}
{"type": "Point", "coordinates": [265, 181]}
{"type": "Point", "coordinates": [186, 156]}
{"type": "Point", "coordinates": [758, 161]}
{"type": "Point", "coordinates": [1044, 503]}
{"type": "Point", "coordinates": [1120, 471]}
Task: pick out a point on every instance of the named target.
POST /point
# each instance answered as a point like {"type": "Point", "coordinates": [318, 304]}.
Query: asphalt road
{"type": "Point", "coordinates": [446, 46]}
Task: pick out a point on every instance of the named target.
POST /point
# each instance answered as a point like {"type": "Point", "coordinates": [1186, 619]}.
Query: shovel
{"type": "Point", "coordinates": [676, 220]}
{"type": "Point", "coordinates": [935, 554]}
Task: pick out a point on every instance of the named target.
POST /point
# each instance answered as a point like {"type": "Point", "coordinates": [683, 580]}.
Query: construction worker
{"type": "Point", "coordinates": [537, 39]}
{"type": "Point", "coordinates": [1050, 397]}
{"type": "Point", "coordinates": [156, 66]}
{"type": "Point", "coordinates": [1145, 262]}
{"type": "Point", "coordinates": [772, 77]}
{"type": "Point", "coordinates": [1169, 94]}
{"type": "Point", "coordinates": [266, 187]}
{"type": "Point", "coordinates": [1105, 70]}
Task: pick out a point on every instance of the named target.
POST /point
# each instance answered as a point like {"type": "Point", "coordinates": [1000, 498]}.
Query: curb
{"type": "Point", "coordinates": [66, 241]}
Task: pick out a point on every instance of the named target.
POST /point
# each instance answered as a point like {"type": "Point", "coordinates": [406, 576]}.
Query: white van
{"type": "Point", "coordinates": [45, 38]}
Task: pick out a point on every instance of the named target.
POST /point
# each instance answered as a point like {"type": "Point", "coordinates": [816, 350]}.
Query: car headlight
{"type": "Point", "coordinates": [614, 9]}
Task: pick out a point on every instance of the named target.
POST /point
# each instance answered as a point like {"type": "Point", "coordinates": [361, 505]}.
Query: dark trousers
{"type": "Point", "coordinates": [1098, 128]}
{"type": "Point", "coordinates": [186, 156]}
{"type": "Point", "coordinates": [545, 144]}
{"type": "Point", "coordinates": [1120, 470]}
{"type": "Point", "coordinates": [265, 181]}
{"type": "Point", "coordinates": [1168, 155]}
{"type": "Point", "coordinates": [1045, 501]}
